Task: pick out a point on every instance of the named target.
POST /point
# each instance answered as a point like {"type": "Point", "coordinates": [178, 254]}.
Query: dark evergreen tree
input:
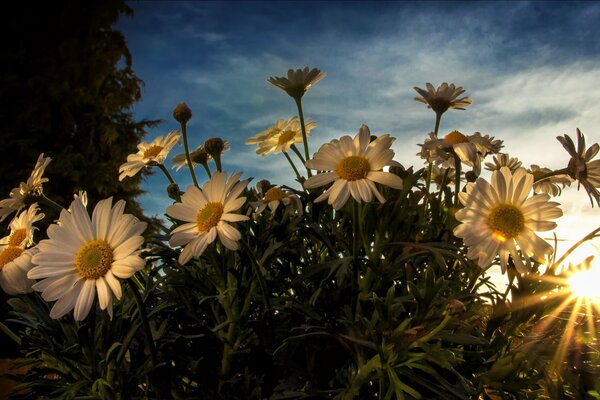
{"type": "Point", "coordinates": [66, 88]}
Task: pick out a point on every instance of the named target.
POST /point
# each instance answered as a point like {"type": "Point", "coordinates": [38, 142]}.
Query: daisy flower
{"type": "Point", "coordinates": [440, 151]}
{"type": "Point", "coordinates": [551, 184]}
{"type": "Point", "coordinates": [443, 176]}
{"type": "Point", "coordinates": [15, 257]}
{"type": "Point", "coordinates": [148, 154]}
{"type": "Point", "coordinates": [503, 160]}
{"type": "Point", "coordinates": [280, 137]}
{"type": "Point", "coordinates": [298, 81]}
{"type": "Point", "coordinates": [274, 197]}
{"type": "Point", "coordinates": [84, 255]}
{"type": "Point", "coordinates": [500, 216]}
{"type": "Point", "coordinates": [581, 167]}
{"type": "Point", "coordinates": [353, 165]}
{"type": "Point", "coordinates": [443, 98]}
{"type": "Point", "coordinates": [208, 213]}
{"type": "Point", "coordinates": [31, 188]}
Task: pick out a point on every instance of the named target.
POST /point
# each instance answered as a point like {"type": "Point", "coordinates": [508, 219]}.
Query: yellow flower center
{"type": "Point", "coordinates": [94, 259]}
{"type": "Point", "coordinates": [9, 254]}
{"type": "Point", "coordinates": [17, 236]}
{"type": "Point", "coordinates": [152, 151]}
{"type": "Point", "coordinates": [274, 194]}
{"type": "Point", "coordinates": [506, 221]}
{"type": "Point", "coordinates": [209, 216]}
{"type": "Point", "coordinates": [455, 137]}
{"type": "Point", "coordinates": [286, 136]}
{"type": "Point", "coordinates": [353, 168]}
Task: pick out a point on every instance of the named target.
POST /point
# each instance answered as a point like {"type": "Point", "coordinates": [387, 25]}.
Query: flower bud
{"type": "Point", "coordinates": [182, 113]}
{"type": "Point", "coordinates": [173, 191]}
{"type": "Point", "coordinates": [263, 185]}
{"type": "Point", "coordinates": [214, 146]}
{"type": "Point", "coordinates": [456, 307]}
{"type": "Point", "coordinates": [199, 156]}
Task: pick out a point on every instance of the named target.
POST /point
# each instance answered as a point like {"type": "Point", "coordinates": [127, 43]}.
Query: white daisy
{"type": "Point", "coordinates": [15, 258]}
{"type": "Point", "coordinates": [353, 166]}
{"type": "Point", "coordinates": [503, 160]}
{"type": "Point", "coordinates": [149, 154]}
{"type": "Point", "coordinates": [298, 81]}
{"type": "Point", "coordinates": [443, 98]}
{"type": "Point", "coordinates": [207, 213]}
{"type": "Point", "coordinates": [83, 256]}
{"type": "Point", "coordinates": [551, 184]}
{"type": "Point", "coordinates": [280, 137]}
{"type": "Point", "coordinates": [274, 197]}
{"type": "Point", "coordinates": [31, 188]}
{"type": "Point", "coordinates": [500, 216]}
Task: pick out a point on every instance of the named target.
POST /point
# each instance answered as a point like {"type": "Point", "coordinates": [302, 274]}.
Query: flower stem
{"type": "Point", "coordinates": [207, 169]}
{"type": "Point", "coordinates": [50, 202]}
{"type": "Point", "coordinates": [304, 138]}
{"type": "Point", "coordinates": [298, 176]}
{"type": "Point", "coordinates": [438, 118]}
{"type": "Point", "coordinates": [563, 171]}
{"type": "Point", "coordinates": [10, 334]}
{"type": "Point", "coordinates": [187, 153]}
{"type": "Point", "coordinates": [587, 237]}
{"type": "Point", "coordinates": [166, 172]}
{"type": "Point", "coordinates": [457, 165]}
{"type": "Point", "coordinates": [144, 318]}
{"type": "Point", "coordinates": [295, 149]}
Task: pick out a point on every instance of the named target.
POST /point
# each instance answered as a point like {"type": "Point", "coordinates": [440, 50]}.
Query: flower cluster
{"type": "Point", "coordinates": [362, 261]}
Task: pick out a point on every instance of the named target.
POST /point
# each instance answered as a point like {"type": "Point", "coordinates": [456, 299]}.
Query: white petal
{"type": "Point", "coordinates": [85, 300]}
{"type": "Point", "coordinates": [320, 180]}
{"type": "Point", "coordinates": [386, 178]}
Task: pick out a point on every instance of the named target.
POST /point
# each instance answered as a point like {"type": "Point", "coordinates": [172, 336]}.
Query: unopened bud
{"type": "Point", "coordinates": [471, 176]}
{"type": "Point", "coordinates": [456, 307]}
{"type": "Point", "coordinates": [214, 146]}
{"type": "Point", "coordinates": [182, 113]}
{"type": "Point", "coordinates": [263, 185]}
{"type": "Point", "coordinates": [173, 191]}
{"type": "Point", "coordinates": [199, 156]}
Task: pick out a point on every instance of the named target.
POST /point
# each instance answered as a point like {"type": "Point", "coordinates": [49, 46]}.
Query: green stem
{"type": "Point", "coordinates": [187, 153]}
{"type": "Point", "coordinates": [166, 172]}
{"type": "Point", "coordinates": [217, 161]}
{"type": "Point", "coordinates": [144, 318]}
{"type": "Point", "coordinates": [438, 118]}
{"type": "Point", "coordinates": [587, 237]}
{"type": "Point", "coordinates": [457, 166]}
{"type": "Point", "coordinates": [207, 169]}
{"type": "Point", "coordinates": [50, 202]}
{"type": "Point", "coordinates": [295, 149]}
{"type": "Point", "coordinates": [304, 138]}
{"type": "Point", "coordinates": [10, 334]}
{"type": "Point", "coordinates": [298, 176]}
{"type": "Point", "coordinates": [563, 171]}
{"type": "Point", "coordinates": [433, 332]}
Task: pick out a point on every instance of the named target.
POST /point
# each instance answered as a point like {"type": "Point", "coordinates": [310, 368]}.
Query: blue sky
{"type": "Point", "coordinates": [532, 69]}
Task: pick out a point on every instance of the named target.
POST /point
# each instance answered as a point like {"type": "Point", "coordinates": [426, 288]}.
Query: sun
{"type": "Point", "coordinates": [584, 281]}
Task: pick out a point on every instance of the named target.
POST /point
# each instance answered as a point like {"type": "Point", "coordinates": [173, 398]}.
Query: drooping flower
{"type": "Point", "coordinates": [500, 216]}
{"type": "Point", "coordinates": [469, 149]}
{"type": "Point", "coordinates": [84, 256]}
{"type": "Point", "coordinates": [15, 254]}
{"type": "Point", "coordinates": [149, 154]}
{"type": "Point", "coordinates": [551, 184]}
{"type": "Point", "coordinates": [275, 196]}
{"type": "Point", "coordinates": [581, 167]}
{"type": "Point", "coordinates": [503, 160]}
{"type": "Point", "coordinates": [197, 156]}
{"type": "Point", "coordinates": [354, 166]}
{"type": "Point", "coordinates": [443, 98]}
{"type": "Point", "coordinates": [207, 213]}
{"type": "Point", "coordinates": [280, 137]}
{"type": "Point", "coordinates": [31, 188]}
{"type": "Point", "coordinates": [298, 81]}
